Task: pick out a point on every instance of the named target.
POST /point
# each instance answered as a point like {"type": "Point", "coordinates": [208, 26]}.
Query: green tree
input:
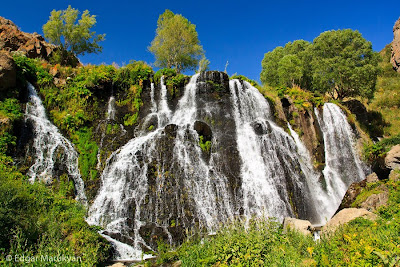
{"type": "Point", "coordinates": [204, 64]}
{"type": "Point", "coordinates": [344, 64]}
{"type": "Point", "coordinates": [72, 37]}
{"type": "Point", "coordinates": [288, 65]}
{"type": "Point", "coordinates": [176, 43]}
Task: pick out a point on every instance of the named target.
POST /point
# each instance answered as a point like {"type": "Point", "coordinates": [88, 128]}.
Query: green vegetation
{"type": "Point", "coordinates": [340, 63]}
{"type": "Point", "coordinates": [72, 37]}
{"type": "Point", "coordinates": [176, 43]}
{"type": "Point", "coordinates": [244, 78]}
{"type": "Point", "coordinates": [205, 146]}
{"type": "Point", "coordinates": [264, 243]}
{"type": "Point", "coordinates": [173, 80]}
{"type": "Point", "coordinates": [204, 64]}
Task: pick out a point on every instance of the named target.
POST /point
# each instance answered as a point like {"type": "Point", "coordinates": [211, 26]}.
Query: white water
{"type": "Point", "coordinates": [111, 108]}
{"type": "Point", "coordinates": [343, 165]}
{"type": "Point", "coordinates": [48, 144]}
{"type": "Point", "coordinates": [269, 158]}
{"type": "Point", "coordinates": [125, 179]}
{"type": "Point", "coordinates": [273, 163]}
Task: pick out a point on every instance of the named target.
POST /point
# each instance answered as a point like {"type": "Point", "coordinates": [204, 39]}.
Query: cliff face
{"type": "Point", "coordinates": [395, 58]}
{"type": "Point", "coordinates": [31, 44]}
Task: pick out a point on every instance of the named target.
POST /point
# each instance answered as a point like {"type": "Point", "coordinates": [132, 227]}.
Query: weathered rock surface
{"type": "Point", "coordinates": [375, 201]}
{"type": "Point", "coordinates": [392, 160]}
{"type": "Point", "coordinates": [395, 58]}
{"type": "Point", "coordinates": [372, 178]}
{"type": "Point", "coordinates": [345, 216]}
{"type": "Point", "coordinates": [394, 175]}
{"type": "Point", "coordinates": [8, 73]}
{"type": "Point", "coordinates": [301, 226]}
{"type": "Point", "coordinates": [31, 44]}
{"type": "Point", "coordinates": [351, 194]}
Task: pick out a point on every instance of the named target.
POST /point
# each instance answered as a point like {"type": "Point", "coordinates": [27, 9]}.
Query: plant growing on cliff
{"type": "Point", "coordinates": [176, 43]}
{"type": "Point", "coordinates": [72, 37]}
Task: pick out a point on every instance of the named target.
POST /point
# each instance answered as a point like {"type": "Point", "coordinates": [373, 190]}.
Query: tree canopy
{"type": "Point", "coordinates": [340, 63]}
{"type": "Point", "coordinates": [72, 36]}
{"type": "Point", "coordinates": [176, 44]}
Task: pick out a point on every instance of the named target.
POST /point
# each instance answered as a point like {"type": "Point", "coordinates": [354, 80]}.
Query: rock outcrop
{"type": "Point", "coordinates": [395, 58]}
{"type": "Point", "coordinates": [302, 226]}
{"type": "Point", "coordinates": [31, 44]}
{"type": "Point", "coordinates": [345, 216]}
{"type": "Point", "coordinates": [392, 160]}
{"type": "Point", "coordinates": [8, 73]}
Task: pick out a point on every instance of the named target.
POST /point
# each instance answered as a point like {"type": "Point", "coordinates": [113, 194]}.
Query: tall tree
{"type": "Point", "coordinates": [72, 37]}
{"type": "Point", "coordinates": [176, 43]}
{"type": "Point", "coordinates": [344, 64]}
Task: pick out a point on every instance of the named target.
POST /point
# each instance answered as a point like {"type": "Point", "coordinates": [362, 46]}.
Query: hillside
{"type": "Point", "coordinates": [165, 159]}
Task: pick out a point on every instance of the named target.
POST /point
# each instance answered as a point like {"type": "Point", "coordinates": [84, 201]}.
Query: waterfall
{"type": "Point", "coordinates": [270, 162]}
{"type": "Point", "coordinates": [139, 184]}
{"type": "Point", "coordinates": [343, 165]}
{"type": "Point", "coordinates": [48, 144]}
{"type": "Point", "coordinates": [161, 183]}
{"type": "Point", "coordinates": [111, 108]}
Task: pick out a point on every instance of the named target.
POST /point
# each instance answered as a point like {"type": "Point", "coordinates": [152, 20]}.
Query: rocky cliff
{"type": "Point", "coordinates": [395, 58]}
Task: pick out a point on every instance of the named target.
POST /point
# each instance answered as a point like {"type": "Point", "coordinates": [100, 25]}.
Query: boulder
{"type": "Point", "coordinates": [392, 160]}
{"type": "Point", "coordinates": [344, 216]}
{"type": "Point", "coordinates": [395, 58]}
{"type": "Point", "coordinates": [394, 175]}
{"type": "Point", "coordinates": [351, 194]}
{"type": "Point", "coordinates": [301, 226]}
{"type": "Point", "coordinates": [372, 178]}
{"type": "Point", "coordinates": [8, 72]}
{"type": "Point", "coordinates": [375, 201]}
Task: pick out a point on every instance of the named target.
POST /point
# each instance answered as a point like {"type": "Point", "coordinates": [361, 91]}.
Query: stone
{"type": "Point", "coordinates": [8, 71]}
{"type": "Point", "coordinates": [375, 201]}
{"type": "Point", "coordinates": [118, 264]}
{"type": "Point", "coordinates": [392, 159]}
{"type": "Point", "coordinates": [301, 226]}
{"type": "Point", "coordinates": [32, 45]}
{"type": "Point", "coordinates": [394, 175]}
{"type": "Point", "coordinates": [395, 58]}
{"type": "Point", "coordinates": [344, 216]}
{"type": "Point", "coordinates": [372, 178]}
{"type": "Point", "coordinates": [351, 194]}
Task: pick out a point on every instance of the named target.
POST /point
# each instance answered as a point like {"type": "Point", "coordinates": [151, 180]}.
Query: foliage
{"type": "Point", "coordinates": [134, 73]}
{"type": "Point", "coordinates": [72, 37]}
{"type": "Point", "coordinates": [204, 64]}
{"type": "Point", "coordinates": [205, 146]}
{"type": "Point", "coordinates": [176, 43]}
{"type": "Point", "coordinates": [286, 66]}
{"type": "Point", "coordinates": [244, 78]}
{"type": "Point", "coordinates": [32, 70]}
{"type": "Point", "coordinates": [87, 150]}
{"type": "Point", "coordinates": [387, 96]}
{"type": "Point", "coordinates": [344, 64]}
{"type": "Point", "coordinates": [375, 151]}
{"type": "Point", "coordinates": [340, 63]}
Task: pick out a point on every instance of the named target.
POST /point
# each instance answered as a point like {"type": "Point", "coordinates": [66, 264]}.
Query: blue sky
{"type": "Point", "coordinates": [240, 32]}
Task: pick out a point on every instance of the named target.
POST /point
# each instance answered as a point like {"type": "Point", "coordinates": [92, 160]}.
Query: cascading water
{"type": "Point", "coordinates": [111, 108]}
{"type": "Point", "coordinates": [162, 182]}
{"type": "Point", "coordinates": [343, 165]}
{"type": "Point", "coordinates": [139, 182]}
{"type": "Point", "coordinates": [270, 163]}
{"type": "Point", "coordinates": [48, 145]}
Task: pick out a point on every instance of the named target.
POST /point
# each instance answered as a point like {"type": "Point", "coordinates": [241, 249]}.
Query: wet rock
{"type": "Point", "coordinates": [171, 129]}
{"type": "Point", "coordinates": [203, 129]}
{"type": "Point", "coordinates": [395, 58]}
{"type": "Point", "coordinates": [345, 216]}
{"type": "Point", "coordinates": [301, 226]}
{"type": "Point", "coordinates": [213, 81]}
{"type": "Point", "coordinates": [8, 73]}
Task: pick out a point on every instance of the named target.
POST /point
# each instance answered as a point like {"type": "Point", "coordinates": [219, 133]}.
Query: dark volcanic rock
{"type": "Point", "coordinates": [8, 73]}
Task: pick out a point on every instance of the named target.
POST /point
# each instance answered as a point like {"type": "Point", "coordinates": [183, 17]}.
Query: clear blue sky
{"type": "Point", "coordinates": [240, 32]}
